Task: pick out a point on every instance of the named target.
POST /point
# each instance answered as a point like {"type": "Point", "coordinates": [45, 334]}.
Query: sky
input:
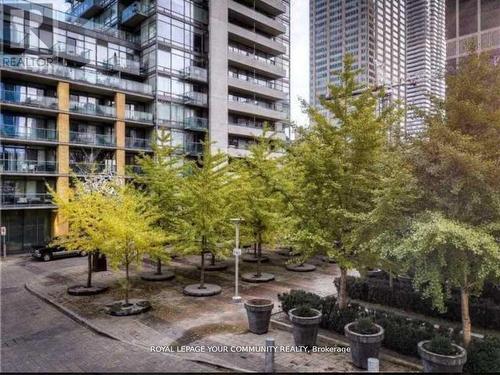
{"type": "Point", "coordinates": [299, 54]}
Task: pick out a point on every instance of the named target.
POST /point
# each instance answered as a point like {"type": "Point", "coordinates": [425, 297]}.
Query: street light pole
{"type": "Point", "coordinates": [236, 253]}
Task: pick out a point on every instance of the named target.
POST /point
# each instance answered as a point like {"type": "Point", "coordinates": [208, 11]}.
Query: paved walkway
{"type": "Point", "coordinates": [36, 337]}
{"type": "Point", "coordinates": [202, 323]}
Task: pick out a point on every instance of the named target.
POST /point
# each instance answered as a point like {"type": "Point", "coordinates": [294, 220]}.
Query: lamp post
{"type": "Point", "coordinates": [236, 253]}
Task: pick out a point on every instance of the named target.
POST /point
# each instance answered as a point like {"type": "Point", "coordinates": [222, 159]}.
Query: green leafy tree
{"type": "Point", "coordinates": [205, 195]}
{"type": "Point", "coordinates": [448, 234]}
{"type": "Point", "coordinates": [160, 175]}
{"type": "Point", "coordinates": [83, 208]}
{"type": "Point", "coordinates": [127, 231]}
{"type": "Point", "coordinates": [336, 167]}
{"type": "Point", "coordinates": [260, 199]}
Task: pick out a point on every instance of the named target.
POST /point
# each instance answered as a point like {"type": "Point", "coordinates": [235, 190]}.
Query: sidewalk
{"type": "Point", "coordinates": [177, 320]}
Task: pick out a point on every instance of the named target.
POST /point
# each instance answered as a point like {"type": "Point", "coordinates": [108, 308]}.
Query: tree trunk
{"type": "Point", "coordinates": [342, 293]}
{"type": "Point", "coordinates": [391, 280]}
{"type": "Point", "coordinates": [255, 249]}
{"type": "Point", "coordinates": [89, 270]}
{"type": "Point", "coordinates": [258, 245]}
{"type": "Point", "coordinates": [126, 280]}
{"type": "Point", "coordinates": [202, 275]}
{"type": "Point", "coordinates": [212, 259]}
{"type": "Point", "coordinates": [466, 323]}
{"type": "Point", "coordinates": [158, 266]}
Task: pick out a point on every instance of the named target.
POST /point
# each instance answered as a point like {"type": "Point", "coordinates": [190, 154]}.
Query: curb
{"type": "Point", "coordinates": [81, 320]}
{"type": "Point", "coordinates": [330, 340]}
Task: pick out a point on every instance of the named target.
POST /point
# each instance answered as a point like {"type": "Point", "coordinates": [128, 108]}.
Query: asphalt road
{"type": "Point", "coordinates": [36, 337]}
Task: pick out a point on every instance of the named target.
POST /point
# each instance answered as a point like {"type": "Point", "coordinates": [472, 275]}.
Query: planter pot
{"type": "Point", "coordinates": [259, 315]}
{"type": "Point", "coordinates": [434, 362]}
{"type": "Point", "coordinates": [363, 346]}
{"type": "Point", "coordinates": [305, 328]}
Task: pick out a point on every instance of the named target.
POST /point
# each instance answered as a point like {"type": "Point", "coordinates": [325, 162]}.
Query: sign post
{"type": "Point", "coordinates": [236, 253]}
{"type": "Point", "coordinates": [3, 234]}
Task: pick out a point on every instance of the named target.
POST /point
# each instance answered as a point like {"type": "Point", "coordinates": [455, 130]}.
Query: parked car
{"type": "Point", "coordinates": [47, 253]}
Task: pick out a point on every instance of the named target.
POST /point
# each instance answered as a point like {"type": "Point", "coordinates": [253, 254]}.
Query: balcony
{"type": "Point", "coordinates": [195, 73]}
{"type": "Point", "coordinates": [73, 53]}
{"type": "Point", "coordinates": [26, 200]}
{"type": "Point", "coordinates": [251, 38]}
{"type": "Point", "coordinates": [193, 148]}
{"type": "Point", "coordinates": [82, 168]}
{"type": "Point", "coordinates": [132, 169]}
{"type": "Point", "coordinates": [28, 166]}
{"type": "Point", "coordinates": [246, 131]}
{"type": "Point", "coordinates": [255, 108]}
{"type": "Point", "coordinates": [83, 138]}
{"type": "Point", "coordinates": [123, 65]}
{"type": "Point", "coordinates": [246, 60]}
{"type": "Point", "coordinates": [196, 124]}
{"type": "Point", "coordinates": [92, 109]}
{"type": "Point", "coordinates": [88, 8]}
{"type": "Point", "coordinates": [262, 22]}
{"type": "Point", "coordinates": [86, 76]}
{"type": "Point", "coordinates": [138, 143]}
{"type": "Point", "coordinates": [29, 134]}
{"type": "Point", "coordinates": [134, 14]}
{"type": "Point", "coordinates": [138, 116]}
{"type": "Point", "coordinates": [16, 97]}
{"type": "Point", "coordinates": [196, 98]}
{"type": "Point", "coordinates": [253, 86]}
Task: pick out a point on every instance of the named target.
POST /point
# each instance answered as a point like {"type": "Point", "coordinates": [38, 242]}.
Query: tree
{"type": "Point", "coordinates": [205, 197]}
{"type": "Point", "coordinates": [160, 175]}
{"type": "Point", "coordinates": [261, 203]}
{"type": "Point", "coordinates": [83, 209]}
{"type": "Point", "coordinates": [128, 230]}
{"type": "Point", "coordinates": [336, 167]}
{"type": "Point", "coordinates": [449, 236]}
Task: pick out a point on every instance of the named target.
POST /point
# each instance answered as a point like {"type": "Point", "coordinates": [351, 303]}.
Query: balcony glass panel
{"type": "Point", "coordinates": [196, 123]}
{"type": "Point", "coordinates": [28, 166]}
{"type": "Point", "coordinates": [26, 199]}
{"type": "Point", "coordinates": [92, 109]}
{"type": "Point", "coordinates": [139, 143]}
{"type": "Point", "coordinates": [35, 134]}
{"type": "Point", "coordinates": [193, 148]}
{"type": "Point", "coordinates": [71, 50]}
{"type": "Point", "coordinates": [138, 116]}
{"type": "Point", "coordinates": [197, 98]}
{"type": "Point", "coordinates": [16, 97]}
{"type": "Point", "coordinates": [91, 138]}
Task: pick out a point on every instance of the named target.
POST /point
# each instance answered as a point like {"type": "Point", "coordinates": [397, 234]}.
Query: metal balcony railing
{"type": "Point", "coordinates": [92, 109]}
{"type": "Point", "coordinates": [16, 97]}
{"type": "Point", "coordinates": [26, 199]}
{"type": "Point", "coordinates": [27, 166]}
{"type": "Point", "coordinates": [33, 134]}
{"type": "Point", "coordinates": [91, 138]}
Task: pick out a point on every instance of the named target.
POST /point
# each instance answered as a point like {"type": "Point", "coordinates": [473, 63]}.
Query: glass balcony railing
{"type": "Point", "coordinates": [26, 199]}
{"type": "Point", "coordinates": [132, 169]}
{"type": "Point", "coordinates": [33, 134]}
{"type": "Point", "coordinates": [123, 64]}
{"type": "Point", "coordinates": [92, 109]}
{"type": "Point", "coordinates": [16, 97]}
{"type": "Point", "coordinates": [134, 13]}
{"type": "Point", "coordinates": [69, 51]}
{"type": "Point", "coordinates": [85, 76]}
{"type": "Point", "coordinates": [91, 138]}
{"type": "Point", "coordinates": [196, 73]}
{"type": "Point", "coordinates": [196, 123]}
{"type": "Point", "coordinates": [138, 116]}
{"type": "Point", "coordinates": [28, 166]}
{"type": "Point", "coordinates": [193, 148]}
{"type": "Point", "coordinates": [138, 143]}
{"type": "Point", "coordinates": [88, 7]}
{"type": "Point", "coordinates": [196, 98]}
{"type": "Point", "coordinates": [107, 167]}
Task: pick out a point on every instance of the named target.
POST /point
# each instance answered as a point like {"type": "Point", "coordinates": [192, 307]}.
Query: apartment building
{"type": "Point", "coordinates": [472, 22]}
{"type": "Point", "coordinates": [84, 89]}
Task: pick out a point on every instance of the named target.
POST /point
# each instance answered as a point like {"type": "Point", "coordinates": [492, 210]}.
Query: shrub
{"type": "Point", "coordinates": [304, 312]}
{"type": "Point", "coordinates": [441, 345]}
{"type": "Point", "coordinates": [298, 298]}
{"type": "Point", "coordinates": [483, 356]}
{"type": "Point", "coordinates": [365, 326]}
{"type": "Point", "coordinates": [484, 311]}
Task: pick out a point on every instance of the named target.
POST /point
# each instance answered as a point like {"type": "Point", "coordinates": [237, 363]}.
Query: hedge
{"type": "Point", "coordinates": [401, 334]}
{"type": "Point", "coordinates": [484, 311]}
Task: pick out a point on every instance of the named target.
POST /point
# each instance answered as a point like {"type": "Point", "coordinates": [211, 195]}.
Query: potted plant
{"type": "Point", "coordinates": [441, 355]}
{"type": "Point", "coordinates": [365, 338]}
{"type": "Point", "coordinates": [259, 314]}
{"type": "Point", "coordinates": [305, 321]}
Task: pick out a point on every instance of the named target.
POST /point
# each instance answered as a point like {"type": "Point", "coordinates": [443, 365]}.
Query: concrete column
{"type": "Point", "coordinates": [217, 74]}
{"type": "Point", "coordinates": [120, 133]}
{"type": "Point", "coordinates": [60, 225]}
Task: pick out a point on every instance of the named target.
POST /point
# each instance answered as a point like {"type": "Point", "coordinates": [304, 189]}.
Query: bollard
{"type": "Point", "coordinates": [269, 359]}
{"type": "Point", "coordinates": [373, 365]}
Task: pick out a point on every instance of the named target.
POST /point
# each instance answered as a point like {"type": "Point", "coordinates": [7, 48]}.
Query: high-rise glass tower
{"type": "Point", "coordinates": [84, 88]}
